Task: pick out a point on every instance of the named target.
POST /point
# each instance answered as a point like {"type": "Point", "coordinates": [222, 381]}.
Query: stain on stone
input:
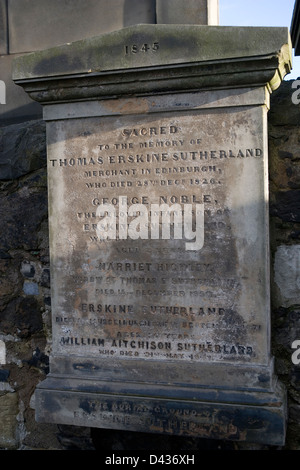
{"type": "Point", "coordinates": [62, 63]}
{"type": "Point", "coordinates": [4, 255]}
{"type": "Point", "coordinates": [263, 378]}
{"type": "Point", "coordinates": [86, 366]}
{"type": "Point", "coordinates": [87, 406]}
{"type": "Point", "coordinates": [22, 232]}
{"type": "Point", "coordinates": [283, 154]}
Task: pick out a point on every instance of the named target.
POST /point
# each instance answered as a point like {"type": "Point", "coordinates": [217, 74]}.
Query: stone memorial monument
{"type": "Point", "coordinates": [158, 221]}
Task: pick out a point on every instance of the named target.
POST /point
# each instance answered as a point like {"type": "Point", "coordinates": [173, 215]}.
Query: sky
{"type": "Point", "coordinates": [260, 13]}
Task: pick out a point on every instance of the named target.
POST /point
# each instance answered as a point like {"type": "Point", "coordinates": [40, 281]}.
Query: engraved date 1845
{"type": "Point", "coordinates": [143, 48]}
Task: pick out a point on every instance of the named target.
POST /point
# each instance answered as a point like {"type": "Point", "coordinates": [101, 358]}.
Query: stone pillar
{"type": "Point", "coordinates": [205, 12]}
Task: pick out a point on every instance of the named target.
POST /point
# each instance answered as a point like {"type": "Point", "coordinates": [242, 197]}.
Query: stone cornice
{"type": "Point", "coordinates": [179, 58]}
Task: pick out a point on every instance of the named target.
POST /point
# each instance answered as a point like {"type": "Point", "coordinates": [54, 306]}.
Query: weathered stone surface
{"type": "Point", "coordinates": [31, 25]}
{"type": "Point", "coordinates": [22, 149]}
{"type": "Point", "coordinates": [18, 233]}
{"type": "Point", "coordinates": [28, 269]}
{"type": "Point", "coordinates": [286, 329]}
{"type": "Point", "coordinates": [287, 274]}
{"type": "Point", "coordinates": [184, 146]}
{"type": "Point", "coordinates": [9, 281]}
{"type": "Point", "coordinates": [284, 135]}
{"type": "Point", "coordinates": [283, 111]}
{"type": "Point", "coordinates": [8, 419]}
{"type": "Point", "coordinates": [160, 45]}
{"type": "Point", "coordinates": [286, 206]}
{"type": "Point", "coordinates": [22, 317]}
{"type": "Point", "coordinates": [3, 28]}
{"type": "Point", "coordinates": [45, 278]}
{"type": "Point", "coordinates": [2, 352]}
{"type": "Point", "coordinates": [205, 12]}
{"type": "Point", "coordinates": [182, 139]}
{"type": "Point", "coordinates": [23, 209]}
{"type": "Point", "coordinates": [121, 440]}
{"type": "Point", "coordinates": [31, 22]}
{"type": "Point", "coordinates": [4, 374]}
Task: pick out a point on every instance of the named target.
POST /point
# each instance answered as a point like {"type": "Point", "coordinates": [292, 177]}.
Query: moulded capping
{"type": "Point", "coordinates": [275, 397]}
{"type": "Point", "coordinates": [156, 45]}
{"type": "Point", "coordinates": [250, 72]}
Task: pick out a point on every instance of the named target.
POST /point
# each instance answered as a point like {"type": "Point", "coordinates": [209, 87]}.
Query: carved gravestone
{"type": "Point", "coordinates": [158, 219]}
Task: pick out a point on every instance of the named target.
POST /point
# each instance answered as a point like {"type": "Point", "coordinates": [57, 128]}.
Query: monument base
{"type": "Point", "coordinates": [256, 416]}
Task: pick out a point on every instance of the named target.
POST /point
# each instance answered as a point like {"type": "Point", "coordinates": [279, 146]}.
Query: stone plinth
{"type": "Point", "coordinates": [161, 324]}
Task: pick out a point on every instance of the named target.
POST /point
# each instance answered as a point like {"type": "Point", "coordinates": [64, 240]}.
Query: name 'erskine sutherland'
{"type": "Point", "coordinates": [201, 155]}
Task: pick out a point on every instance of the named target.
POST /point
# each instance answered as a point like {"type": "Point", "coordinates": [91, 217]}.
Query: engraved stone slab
{"type": "Point", "coordinates": [158, 222]}
{"type": "Point", "coordinates": [140, 297]}
{"type": "Point", "coordinates": [184, 418]}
